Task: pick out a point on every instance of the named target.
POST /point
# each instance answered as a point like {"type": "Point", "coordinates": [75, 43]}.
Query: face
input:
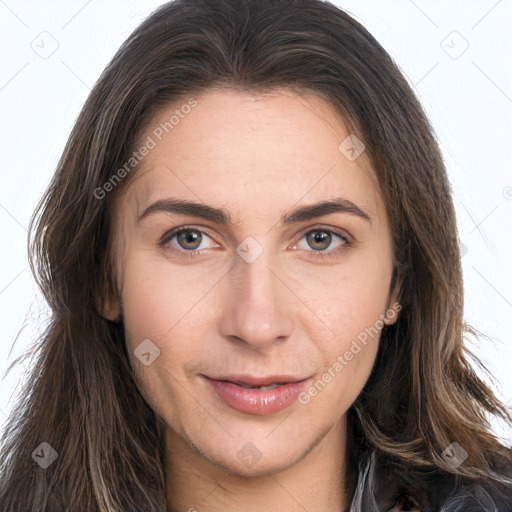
{"type": "Point", "coordinates": [231, 279]}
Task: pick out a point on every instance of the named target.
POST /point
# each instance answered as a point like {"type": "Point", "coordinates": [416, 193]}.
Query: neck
{"type": "Point", "coordinates": [317, 482]}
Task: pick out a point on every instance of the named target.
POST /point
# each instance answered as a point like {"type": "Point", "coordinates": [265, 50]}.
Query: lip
{"type": "Point", "coordinates": [257, 401]}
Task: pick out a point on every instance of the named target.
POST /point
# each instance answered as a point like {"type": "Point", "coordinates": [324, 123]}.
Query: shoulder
{"type": "Point", "coordinates": [440, 491]}
{"type": "Point", "coordinates": [385, 486]}
{"type": "Point", "coordinates": [462, 497]}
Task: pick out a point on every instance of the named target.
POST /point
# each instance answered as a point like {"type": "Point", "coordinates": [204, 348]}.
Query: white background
{"type": "Point", "coordinates": [467, 96]}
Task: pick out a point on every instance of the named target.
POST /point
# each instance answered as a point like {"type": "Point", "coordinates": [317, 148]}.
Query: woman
{"type": "Point", "coordinates": [250, 251]}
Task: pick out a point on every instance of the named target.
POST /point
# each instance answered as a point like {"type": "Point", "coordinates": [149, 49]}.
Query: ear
{"type": "Point", "coordinates": [108, 304]}
{"type": "Point", "coordinates": [393, 306]}
{"type": "Point", "coordinates": [110, 310]}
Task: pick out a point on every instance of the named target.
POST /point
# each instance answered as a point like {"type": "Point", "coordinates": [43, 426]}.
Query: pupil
{"type": "Point", "coordinates": [189, 237]}
{"type": "Point", "coordinates": [319, 237]}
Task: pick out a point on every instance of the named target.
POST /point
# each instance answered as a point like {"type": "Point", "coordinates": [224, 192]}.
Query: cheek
{"type": "Point", "coordinates": [354, 310]}
{"type": "Point", "coordinates": [167, 311]}
{"type": "Point", "coordinates": [348, 357]}
{"type": "Point", "coordinates": [159, 298]}
{"type": "Point", "coordinates": [352, 297]}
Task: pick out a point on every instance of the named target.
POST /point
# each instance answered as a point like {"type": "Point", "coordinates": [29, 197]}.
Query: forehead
{"type": "Point", "coordinates": [246, 149]}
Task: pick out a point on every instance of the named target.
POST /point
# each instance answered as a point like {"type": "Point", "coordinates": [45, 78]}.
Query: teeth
{"type": "Point", "coordinates": [272, 386]}
{"type": "Point", "coordinates": [263, 388]}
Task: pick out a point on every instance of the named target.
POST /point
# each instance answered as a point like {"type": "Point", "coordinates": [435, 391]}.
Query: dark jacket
{"type": "Point", "coordinates": [384, 487]}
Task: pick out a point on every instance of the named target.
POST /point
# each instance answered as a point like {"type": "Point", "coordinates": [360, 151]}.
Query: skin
{"type": "Point", "coordinates": [258, 156]}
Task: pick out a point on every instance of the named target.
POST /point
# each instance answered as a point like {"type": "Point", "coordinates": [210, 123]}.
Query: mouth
{"type": "Point", "coordinates": [257, 395]}
{"type": "Point", "coordinates": [253, 382]}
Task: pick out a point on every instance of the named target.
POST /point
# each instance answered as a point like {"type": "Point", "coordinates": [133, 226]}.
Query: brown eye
{"type": "Point", "coordinates": [319, 240]}
{"type": "Point", "coordinates": [324, 243]}
{"type": "Point", "coordinates": [189, 239]}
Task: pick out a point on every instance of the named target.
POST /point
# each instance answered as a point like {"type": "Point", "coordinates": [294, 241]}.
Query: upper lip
{"type": "Point", "coordinates": [255, 381]}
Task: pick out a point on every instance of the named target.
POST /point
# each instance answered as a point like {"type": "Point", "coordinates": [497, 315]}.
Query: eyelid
{"type": "Point", "coordinates": [327, 255]}
{"type": "Point", "coordinates": [337, 231]}
{"type": "Point", "coordinates": [174, 231]}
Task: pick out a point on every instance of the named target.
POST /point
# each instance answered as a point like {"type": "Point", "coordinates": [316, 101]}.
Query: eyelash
{"type": "Point", "coordinates": [315, 255]}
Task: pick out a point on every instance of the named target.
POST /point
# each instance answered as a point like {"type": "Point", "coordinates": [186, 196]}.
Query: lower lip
{"type": "Point", "coordinates": [257, 401]}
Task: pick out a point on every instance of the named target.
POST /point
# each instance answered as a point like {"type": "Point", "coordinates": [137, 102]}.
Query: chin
{"type": "Point", "coordinates": [254, 453]}
{"type": "Point", "coordinates": [245, 467]}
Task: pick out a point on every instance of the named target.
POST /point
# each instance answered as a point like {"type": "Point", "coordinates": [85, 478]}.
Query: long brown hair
{"type": "Point", "coordinates": [81, 397]}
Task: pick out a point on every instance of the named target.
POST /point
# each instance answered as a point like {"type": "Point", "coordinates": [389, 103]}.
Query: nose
{"type": "Point", "coordinates": [261, 308]}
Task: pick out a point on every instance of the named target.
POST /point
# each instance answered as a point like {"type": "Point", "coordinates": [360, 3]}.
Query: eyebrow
{"type": "Point", "coordinates": [220, 216]}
